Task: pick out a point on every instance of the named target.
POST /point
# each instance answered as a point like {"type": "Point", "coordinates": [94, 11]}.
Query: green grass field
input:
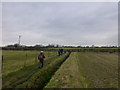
{"type": "Point", "coordinates": [17, 68]}
{"type": "Point", "coordinates": [87, 70]}
{"type": "Point", "coordinates": [42, 76]}
{"type": "Point", "coordinates": [15, 60]}
{"type": "Point", "coordinates": [80, 70]}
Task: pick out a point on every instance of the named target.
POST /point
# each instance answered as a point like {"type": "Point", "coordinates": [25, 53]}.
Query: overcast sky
{"type": "Point", "coordinates": [80, 23]}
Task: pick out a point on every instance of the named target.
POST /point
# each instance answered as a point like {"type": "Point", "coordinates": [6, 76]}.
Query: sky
{"type": "Point", "coordinates": [64, 23]}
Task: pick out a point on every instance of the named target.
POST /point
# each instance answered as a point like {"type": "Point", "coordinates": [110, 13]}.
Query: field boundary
{"type": "Point", "coordinates": [22, 78]}
{"type": "Point", "coordinates": [42, 77]}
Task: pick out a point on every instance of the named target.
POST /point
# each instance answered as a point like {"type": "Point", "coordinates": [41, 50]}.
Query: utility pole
{"type": "Point", "coordinates": [19, 40]}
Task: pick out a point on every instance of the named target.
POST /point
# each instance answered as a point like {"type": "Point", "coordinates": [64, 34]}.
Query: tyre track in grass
{"type": "Point", "coordinates": [111, 59]}
{"type": "Point", "coordinates": [84, 70]}
{"type": "Point", "coordinates": [106, 62]}
{"type": "Point", "coordinates": [42, 77]}
{"type": "Point", "coordinates": [98, 72]}
{"type": "Point", "coordinates": [18, 77]}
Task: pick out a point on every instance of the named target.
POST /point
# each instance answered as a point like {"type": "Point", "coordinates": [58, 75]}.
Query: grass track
{"type": "Point", "coordinates": [87, 70]}
{"type": "Point", "coordinates": [41, 77]}
{"type": "Point", "coordinates": [14, 78]}
{"type": "Point", "coordinates": [15, 60]}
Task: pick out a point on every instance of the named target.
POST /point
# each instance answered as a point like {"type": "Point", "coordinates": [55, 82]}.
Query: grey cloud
{"type": "Point", "coordinates": [62, 23]}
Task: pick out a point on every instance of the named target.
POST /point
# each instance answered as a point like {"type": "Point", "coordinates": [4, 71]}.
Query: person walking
{"type": "Point", "coordinates": [41, 59]}
{"type": "Point", "coordinates": [59, 51]}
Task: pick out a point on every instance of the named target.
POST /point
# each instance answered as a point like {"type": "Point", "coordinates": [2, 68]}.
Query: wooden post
{"type": "Point", "coordinates": [25, 60]}
{"type": "Point", "coordinates": [35, 57]}
{"type": "Point", "coordinates": [2, 63]}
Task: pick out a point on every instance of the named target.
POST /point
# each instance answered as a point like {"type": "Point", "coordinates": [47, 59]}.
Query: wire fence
{"type": "Point", "coordinates": [14, 60]}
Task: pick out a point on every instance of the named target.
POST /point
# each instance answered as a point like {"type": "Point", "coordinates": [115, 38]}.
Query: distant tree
{"type": "Point", "coordinates": [50, 46]}
{"type": "Point", "coordinates": [16, 45]}
{"type": "Point", "coordinates": [79, 46]}
{"type": "Point", "coordinates": [10, 46]}
{"type": "Point", "coordinates": [87, 46]}
{"type": "Point", "coordinates": [38, 46]}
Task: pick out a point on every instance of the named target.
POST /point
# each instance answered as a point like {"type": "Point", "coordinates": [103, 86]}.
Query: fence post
{"type": "Point", "coordinates": [2, 63]}
{"type": "Point", "coordinates": [25, 59]}
{"type": "Point", "coordinates": [35, 57]}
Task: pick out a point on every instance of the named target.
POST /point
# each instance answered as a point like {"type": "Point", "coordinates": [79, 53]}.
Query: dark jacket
{"type": "Point", "coordinates": [41, 56]}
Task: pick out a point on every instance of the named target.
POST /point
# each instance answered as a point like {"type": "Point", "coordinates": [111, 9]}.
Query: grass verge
{"type": "Point", "coordinates": [14, 78]}
{"type": "Point", "coordinates": [42, 77]}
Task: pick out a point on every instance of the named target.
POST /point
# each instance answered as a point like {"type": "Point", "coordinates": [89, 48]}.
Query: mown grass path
{"type": "Point", "coordinates": [87, 70]}
{"type": "Point", "coordinates": [14, 78]}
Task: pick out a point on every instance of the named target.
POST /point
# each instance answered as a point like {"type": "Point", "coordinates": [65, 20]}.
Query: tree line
{"type": "Point", "coordinates": [52, 47]}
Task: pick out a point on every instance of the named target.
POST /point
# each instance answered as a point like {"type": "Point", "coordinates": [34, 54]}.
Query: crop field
{"type": "Point", "coordinates": [70, 70]}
